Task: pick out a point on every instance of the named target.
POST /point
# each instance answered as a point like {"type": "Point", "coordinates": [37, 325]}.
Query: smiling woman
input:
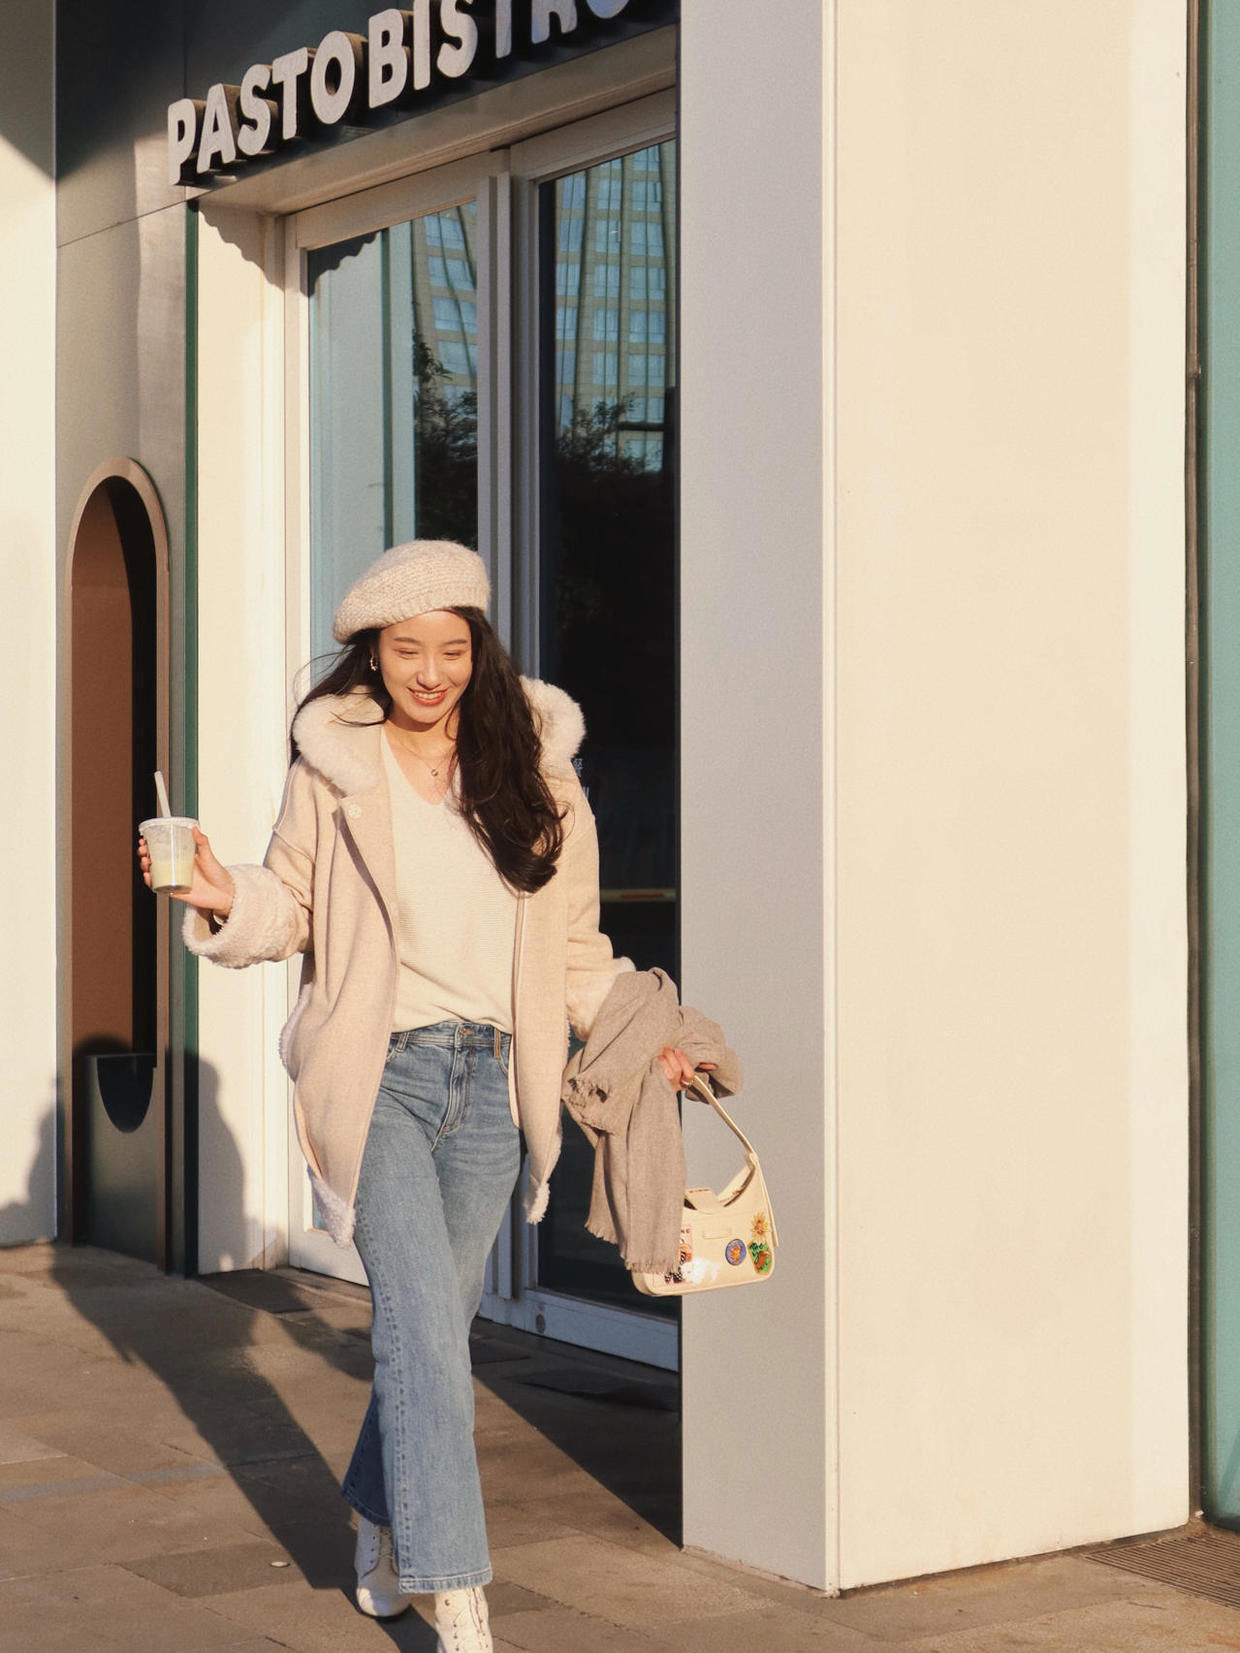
{"type": "Point", "coordinates": [435, 864]}
{"type": "Point", "coordinates": [426, 665]}
{"type": "Point", "coordinates": [466, 714]}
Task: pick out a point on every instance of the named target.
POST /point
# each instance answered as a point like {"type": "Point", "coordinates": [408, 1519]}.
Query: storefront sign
{"type": "Point", "coordinates": [352, 79]}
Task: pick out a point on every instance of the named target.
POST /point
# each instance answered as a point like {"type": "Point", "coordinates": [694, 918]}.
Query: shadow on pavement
{"type": "Point", "coordinates": [614, 1419]}
{"type": "Point", "coordinates": [208, 1349]}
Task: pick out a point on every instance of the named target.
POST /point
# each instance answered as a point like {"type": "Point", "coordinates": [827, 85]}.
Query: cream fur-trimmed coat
{"type": "Point", "coordinates": [327, 889]}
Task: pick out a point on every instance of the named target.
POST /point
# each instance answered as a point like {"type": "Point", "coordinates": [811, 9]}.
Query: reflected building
{"type": "Point", "coordinates": [615, 265]}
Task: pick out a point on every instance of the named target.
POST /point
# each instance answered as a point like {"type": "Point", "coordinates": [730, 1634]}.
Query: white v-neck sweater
{"type": "Point", "coordinates": [456, 918]}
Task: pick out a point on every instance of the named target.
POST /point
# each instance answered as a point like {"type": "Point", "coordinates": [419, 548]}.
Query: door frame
{"type": "Point", "coordinates": [505, 183]}
{"type": "Point", "coordinates": [477, 178]}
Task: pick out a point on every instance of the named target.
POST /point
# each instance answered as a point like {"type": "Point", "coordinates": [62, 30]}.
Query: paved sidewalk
{"type": "Point", "coordinates": [169, 1454]}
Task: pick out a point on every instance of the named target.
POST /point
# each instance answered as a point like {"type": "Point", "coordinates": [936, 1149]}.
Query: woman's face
{"type": "Point", "coordinates": [426, 665]}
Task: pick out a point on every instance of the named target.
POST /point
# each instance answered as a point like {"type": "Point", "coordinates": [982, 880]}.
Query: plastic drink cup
{"type": "Point", "coordinates": [170, 843]}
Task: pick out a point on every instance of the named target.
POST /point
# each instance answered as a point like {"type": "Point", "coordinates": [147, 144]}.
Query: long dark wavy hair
{"type": "Point", "coordinates": [500, 788]}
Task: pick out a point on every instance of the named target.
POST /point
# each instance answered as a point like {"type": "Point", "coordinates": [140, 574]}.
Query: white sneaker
{"type": "Point", "coordinates": [378, 1592]}
{"type": "Point", "coordinates": [462, 1622]}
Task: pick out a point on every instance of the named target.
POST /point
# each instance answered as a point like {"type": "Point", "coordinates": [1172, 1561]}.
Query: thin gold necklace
{"type": "Point", "coordinates": [449, 753]}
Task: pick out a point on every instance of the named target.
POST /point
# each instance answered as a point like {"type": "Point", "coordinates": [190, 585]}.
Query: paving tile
{"type": "Point", "coordinates": [214, 1498]}
{"type": "Point", "coordinates": [61, 1490]}
{"type": "Point", "coordinates": [563, 1630]}
{"type": "Point", "coordinates": [322, 1621]}
{"type": "Point", "coordinates": [770, 1629]}
{"type": "Point", "coordinates": [982, 1596]}
{"type": "Point", "coordinates": [121, 1523]}
{"type": "Point", "coordinates": [251, 1646]}
{"type": "Point", "coordinates": [305, 1484]}
{"type": "Point", "coordinates": [35, 1476]}
{"type": "Point", "coordinates": [17, 1447]}
{"type": "Point", "coordinates": [219, 1570]}
{"type": "Point", "coordinates": [245, 1433]}
{"type": "Point", "coordinates": [1164, 1622]}
{"type": "Point", "coordinates": [99, 1388]}
{"type": "Point", "coordinates": [25, 1550]}
{"type": "Point", "coordinates": [618, 1585]}
{"type": "Point", "coordinates": [106, 1610]}
{"type": "Point", "coordinates": [600, 1513]}
{"type": "Point", "coordinates": [37, 1258]}
{"type": "Point", "coordinates": [263, 1646]}
{"type": "Point", "coordinates": [125, 1450]}
{"type": "Point", "coordinates": [318, 1541]}
{"type": "Point", "coordinates": [511, 1522]}
{"type": "Point", "coordinates": [511, 1598]}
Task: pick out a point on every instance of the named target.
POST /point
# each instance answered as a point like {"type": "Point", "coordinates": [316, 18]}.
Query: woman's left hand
{"type": "Point", "coordinates": [678, 1068]}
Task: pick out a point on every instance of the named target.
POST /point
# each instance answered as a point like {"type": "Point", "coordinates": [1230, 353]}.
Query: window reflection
{"type": "Point", "coordinates": [607, 588]}
{"type": "Point", "coordinates": [393, 398]}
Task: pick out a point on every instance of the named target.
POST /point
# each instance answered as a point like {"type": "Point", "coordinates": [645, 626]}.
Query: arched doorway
{"type": "Point", "coordinates": [115, 1139]}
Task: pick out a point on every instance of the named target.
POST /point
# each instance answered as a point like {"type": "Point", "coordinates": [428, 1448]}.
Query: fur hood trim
{"type": "Point", "coordinates": [326, 732]}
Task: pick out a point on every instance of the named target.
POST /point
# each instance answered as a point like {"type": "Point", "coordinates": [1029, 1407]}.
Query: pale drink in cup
{"type": "Point", "coordinates": [170, 844]}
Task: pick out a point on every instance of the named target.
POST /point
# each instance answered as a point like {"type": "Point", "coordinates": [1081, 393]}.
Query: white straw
{"type": "Point", "coordinates": [161, 792]}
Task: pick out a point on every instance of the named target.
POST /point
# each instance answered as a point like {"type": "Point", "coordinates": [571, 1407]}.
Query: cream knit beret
{"type": "Point", "coordinates": [413, 579]}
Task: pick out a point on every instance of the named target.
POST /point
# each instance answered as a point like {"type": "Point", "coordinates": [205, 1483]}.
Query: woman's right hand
{"type": "Point", "coordinates": [212, 890]}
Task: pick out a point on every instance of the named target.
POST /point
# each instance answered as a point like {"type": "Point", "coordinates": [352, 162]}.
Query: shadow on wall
{"type": "Point", "coordinates": [25, 92]}
{"type": "Point", "coordinates": [34, 1217]}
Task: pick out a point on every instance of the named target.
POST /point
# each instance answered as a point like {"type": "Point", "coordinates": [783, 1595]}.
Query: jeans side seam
{"type": "Point", "coordinates": [400, 1445]}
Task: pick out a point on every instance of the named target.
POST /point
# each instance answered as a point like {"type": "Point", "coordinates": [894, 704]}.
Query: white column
{"type": "Point", "coordinates": [28, 603]}
{"type": "Point", "coordinates": [759, 1386]}
{"type": "Point", "coordinates": [1013, 1165]}
{"type": "Point", "coordinates": [934, 771]}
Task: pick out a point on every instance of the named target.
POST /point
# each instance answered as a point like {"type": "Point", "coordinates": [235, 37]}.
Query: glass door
{"type": "Point", "coordinates": [594, 444]}
{"type": "Point", "coordinates": [607, 589]}
{"type": "Point", "coordinates": [487, 353]}
{"type": "Point", "coordinates": [390, 350]}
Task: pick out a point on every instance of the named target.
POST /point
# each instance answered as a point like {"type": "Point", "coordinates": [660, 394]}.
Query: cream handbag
{"type": "Point", "coordinates": [726, 1239]}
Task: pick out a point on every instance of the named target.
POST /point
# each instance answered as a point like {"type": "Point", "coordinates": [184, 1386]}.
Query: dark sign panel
{"type": "Point", "coordinates": [406, 55]}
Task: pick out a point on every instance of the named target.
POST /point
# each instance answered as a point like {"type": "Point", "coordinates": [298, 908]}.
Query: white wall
{"type": "Point", "coordinates": [986, 915]}
{"type": "Point", "coordinates": [242, 756]}
{"type": "Point", "coordinates": [27, 600]}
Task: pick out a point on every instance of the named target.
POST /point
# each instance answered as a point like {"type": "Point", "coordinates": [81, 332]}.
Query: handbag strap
{"type": "Point", "coordinates": [702, 1086]}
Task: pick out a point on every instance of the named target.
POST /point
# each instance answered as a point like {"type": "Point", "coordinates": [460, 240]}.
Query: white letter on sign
{"type": "Point", "coordinates": [333, 79]}
{"type": "Point", "coordinates": [217, 146]}
{"type": "Point", "coordinates": [421, 45]}
{"type": "Point", "coordinates": [253, 138]}
{"type": "Point", "coordinates": [607, 8]}
{"type": "Point", "coordinates": [454, 61]}
{"type": "Point", "coordinates": [286, 71]}
{"type": "Point", "coordinates": [389, 61]}
{"type": "Point", "coordinates": [564, 11]}
{"type": "Point", "coordinates": [184, 123]}
{"type": "Point", "coordinates": [503, 28]}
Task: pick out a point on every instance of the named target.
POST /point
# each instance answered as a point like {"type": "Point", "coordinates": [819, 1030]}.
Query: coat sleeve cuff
{"type": "Point", "coordinates": [260, 926]}
{"type": "Point", "coordinates": [586, 993]}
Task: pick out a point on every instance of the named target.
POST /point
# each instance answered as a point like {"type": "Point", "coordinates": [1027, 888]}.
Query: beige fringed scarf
{"type": "Point", "coordinates": [616, 1090]}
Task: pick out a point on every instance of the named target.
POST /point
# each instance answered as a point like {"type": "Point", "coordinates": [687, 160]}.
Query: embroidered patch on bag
{"type": "Point", "coordinates": [686, 1258]}
{"type": "Point", "coordinates": [759, 1226]}
{"type": "Point", "coordinates": [735, 1252]}
{"type": "Point", "coordinates": [762, 1258]}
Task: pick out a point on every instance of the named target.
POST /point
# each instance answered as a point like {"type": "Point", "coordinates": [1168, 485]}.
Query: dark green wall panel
{"type": "Point", "coordinates": [1221, 757]}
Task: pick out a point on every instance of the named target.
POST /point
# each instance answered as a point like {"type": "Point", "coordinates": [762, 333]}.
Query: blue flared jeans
{"type": "Point", "coordinates": [438, 1171]}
